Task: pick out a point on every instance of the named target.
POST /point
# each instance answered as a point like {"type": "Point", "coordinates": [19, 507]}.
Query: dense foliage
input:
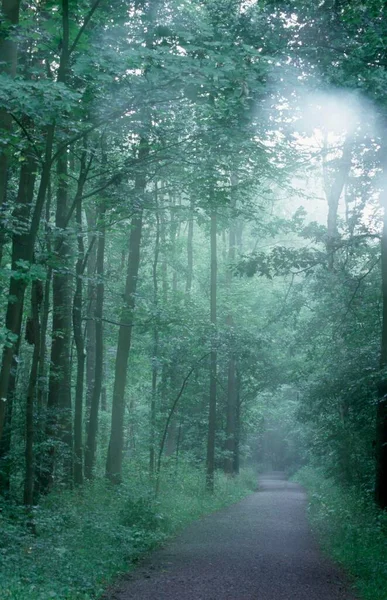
{"type": "Point", "coordinates": [193, 257]}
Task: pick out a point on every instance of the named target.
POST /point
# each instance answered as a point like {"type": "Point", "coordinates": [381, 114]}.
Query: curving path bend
{"type": "Point", "coordinates": [258, 549]}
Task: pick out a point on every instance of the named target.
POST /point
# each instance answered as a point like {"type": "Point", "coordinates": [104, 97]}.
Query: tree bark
{"type": "Point", "coordinates": [237, 423]}
{"type": "Point", "coordinates": [77, 327]}
{"type": "Point", "coordinates": [92, 428]}
{"type": "Point", "coordinates": [231, 375]}
{"type": "Point", "coordinates": [91, 301]}
{"type": "Point", "coordinates": [152, 443]}
{"type": "Point", "coordinates": [213, 361]}
{"type": "Point", "coordinates": [173, 232]}
{"type": "Point", "coordinates": [8, 56]}
{"type": "Point", "coordinates": [381, 413]}
{"type": "Point", "coordinates": [21, 257]}
{"type": "Point", "coordinates": [34, 337]}
{"type": "Point", "coordinates": [333, 193]}
{"type": "Point", "coordinates": [116, 443]}
{"type": "Point", "coordinates": [22, 250]}
{"type": "Point", "coordinates": [6, 439]}
{"type": "Point", "coordinates": [188, 286]}
{"type": "Point", "coordinates": [164, 264]}
{"type": "Point", "coordinates": [59, 417]}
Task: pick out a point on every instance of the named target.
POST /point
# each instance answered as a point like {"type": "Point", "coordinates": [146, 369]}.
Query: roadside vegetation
{"type": "Point", "coordinates": [193, 274]}
{"type": "Point", "coordinates": [351, 530]}
{"type": "Point", "coordinates": [75, 543]}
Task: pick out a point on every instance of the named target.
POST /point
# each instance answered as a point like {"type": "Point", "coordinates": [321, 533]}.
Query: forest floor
{"type": "Point", "coordinates": [258, 549]}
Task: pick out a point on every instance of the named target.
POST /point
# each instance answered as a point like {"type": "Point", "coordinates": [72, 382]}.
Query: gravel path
{"type": "Point", "coordinates": [258, 549]}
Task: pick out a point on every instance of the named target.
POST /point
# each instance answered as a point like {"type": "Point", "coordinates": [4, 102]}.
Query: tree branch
{"type": "Point", "coordinates": [172, 410]}
{"type": "Point", "coordinates": [85, 24]}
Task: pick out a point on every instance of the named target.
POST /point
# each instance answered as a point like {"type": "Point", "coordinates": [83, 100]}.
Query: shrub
{"type": "Point", "coordinates": [351, 529]}
{"type": "Point", "coordinates": [84, 538]}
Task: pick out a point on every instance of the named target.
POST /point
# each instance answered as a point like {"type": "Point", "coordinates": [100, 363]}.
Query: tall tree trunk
{"type": "Point", "coordinates": [92, 427]}
{"type": "Point", "coordinates": [43, 372]}
{"type": "Point", "coordinates": [77, 327]}
{"type": "Point", "coordinates": [132, 426]}
{"type": "Point", "coordinates": [231, 415]}
{"type": "Point", "coordinates": [173, 237]}
{"type": "Point", "coordinates": [91, 300]}
{"type": "Point", "coordinates": [42, 387]}
{"type": "Point", "coordinates": [381, 414]}
{"type": "Point", "coordinates": [152, 444]}
{"type": "Point", "coordinates": [6, 439]}
{"type": "Point", "coordinates": [8, 62]}
{"type": "Point", "coordinates": [18, 283]}
{"type": "Point", "coordinates": [190, 251]}
{"type": "Point", "coordinates": [33, 336]}
{"type": "Point", "coordinates": [116, 443]}
{"type": "Point", "coordinates": [237, 422]}
{"type": "Point", "coordinates": [164, 264]}
{"type": "Point", "coordinates": [213, 361]}
{"type": "Point", "coordinates": [333, 191]}
{"type": "Point", "coordinates": [22, 250]}
{"type": "Point", "coordinates": [231, 376]}
{"type": "Point", "coordinates": [59, 417]}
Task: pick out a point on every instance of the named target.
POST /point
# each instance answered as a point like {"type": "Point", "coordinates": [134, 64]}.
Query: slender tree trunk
{"type": "Point", "coordinates": [152, 444]}
{"type": "Point", "coordinates": [178, 442]}
{"type": "Point", "coordinates": [33, 337]}
{"type": "Point", "coordinates": [116, 443]}
{"type": "Point", "coordinates": [91, 300]}
{"type": "Point", "coordinates": [92, 428]}
{"type": "Point", "coordinates": [42, 375]}
{"type": "Point", "coordinates": [381, 413]}
{"type": "Point", "coordinates": [22, 249]}
{"type": "Point", "coordinates": [8, 57]}
{"type": "Point", "coordinates": [103, 390]}
{"type": "Point", "coordinates": [188, 286]}
{"type": "Point", "coordinates": [237, 423]}
{"type": "Point", "coordinates": [132, 426]}
{"type": "Point", "coordinates": [59, 414]}
{"type": "Point", "coordinates": [173, 232]}
{"type": "Point", "coordinates": [213, 361]}
{"type": "Point", "coordinates": [171, 412]}
{"type": "Point", "coordinates": [333, 193]}
{"type": "Point", "coordinates": [59, 417]}
{"type": "Point", "coordinates": [170, 445]}
{"type": "Point", "coordinates": [164, 265]}
{"type": "Point", "coordinates": [231, 375]}
{"type": "Point", "coordinates": [42, 386]}
{"type": "Point", "coordinates": [231, 415]}
{"type": "Point", "coordinates": [6, 439]}
{"type": "Point", "coordinates": [77, 327]}
{"type": "Point", "coordinates": [20, 255]}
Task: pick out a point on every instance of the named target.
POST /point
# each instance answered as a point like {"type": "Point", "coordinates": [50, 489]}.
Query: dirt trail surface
{"type": "Point", "coordinates": [258, 549]}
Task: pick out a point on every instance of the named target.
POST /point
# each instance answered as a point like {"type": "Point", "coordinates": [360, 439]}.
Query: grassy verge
{"type": "Point", "coordinates": [85, 538]}
{"type": "Point", "coordinates": [351, 529]}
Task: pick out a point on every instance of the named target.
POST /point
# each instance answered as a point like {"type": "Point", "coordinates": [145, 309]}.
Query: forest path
{"type": "Point", "coordinates": [258, 549]}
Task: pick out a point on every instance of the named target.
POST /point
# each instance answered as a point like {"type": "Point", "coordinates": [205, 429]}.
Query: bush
{"type": "Point", "coordinates": [82, 539]}
{"type": "Point", "coordinates": [352, 530]}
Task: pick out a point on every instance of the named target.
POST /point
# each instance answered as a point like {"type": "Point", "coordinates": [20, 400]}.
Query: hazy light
{"type": "Point", "coordinates": [335, 113]}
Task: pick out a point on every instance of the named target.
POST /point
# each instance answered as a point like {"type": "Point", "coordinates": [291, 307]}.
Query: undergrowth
{"type": "Point", "coordinates": [352, 530]}
{"type": "Point", "coordinates": [76, 542]}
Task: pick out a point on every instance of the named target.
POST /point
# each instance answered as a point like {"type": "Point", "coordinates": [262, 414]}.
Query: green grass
{"type": "Point", "coordinates": [87, 537]}
{"type": "Point", "coordinates": [351, 530]}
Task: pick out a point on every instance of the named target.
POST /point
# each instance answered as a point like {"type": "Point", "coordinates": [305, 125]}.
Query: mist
{"type": "Point", "coordinates": [193, 316]}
